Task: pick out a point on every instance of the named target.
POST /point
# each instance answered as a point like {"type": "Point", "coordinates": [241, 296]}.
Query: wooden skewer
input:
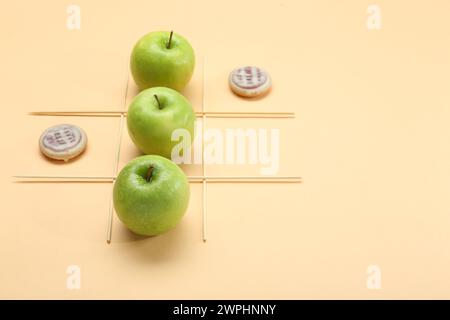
{"type": "Point", "coordinates": [44, 178]}
{"type": "Point", "coordinates": [116, 169]}
{"type": "Point", "coordinates": [210, 114]}
{"type": "Point", "coordinates": [125, 96]}
{"type": "Point", "coordinates": [110, 219]}
{"type": "Point", "coordinates": [116, 162]}
{"type": "Point", "coordinates": [204, 216]}
{"type": "Point", "coordinates": [192, 179]}
{"type": "Point", "coordinates": [213, 179]}
{"type": "Point", "coordinates": [237, 114]}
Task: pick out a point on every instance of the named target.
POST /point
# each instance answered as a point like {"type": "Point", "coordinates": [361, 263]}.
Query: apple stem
{"type": "Point", "coordinates": [157, 100]}
{"type": "Point", "coordinates": [170, 40]}
{"type": "Point", "coordinates": [149, 174]}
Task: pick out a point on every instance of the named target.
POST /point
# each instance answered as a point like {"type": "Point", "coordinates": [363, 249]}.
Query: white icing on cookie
{"type": "Point", "coordinates": [249, 81]}
{"type": "Point", "coordinates": [63, 142]}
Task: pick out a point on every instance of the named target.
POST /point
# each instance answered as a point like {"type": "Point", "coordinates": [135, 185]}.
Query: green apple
{"type": "Point", "coordinates": [152, 117]}
{"type": "Point", "coordinates": [162, 59]}
{"type": "Point", "coordinates": [151, 195]}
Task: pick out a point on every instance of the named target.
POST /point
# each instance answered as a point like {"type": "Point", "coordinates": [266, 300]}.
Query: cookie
{"type": "Point", "coordinates": [63, 142]}
{"type": "Point", "coordinates": [249, 81]}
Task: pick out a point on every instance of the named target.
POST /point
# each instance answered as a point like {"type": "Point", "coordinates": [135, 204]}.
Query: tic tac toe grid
{"type": "Point", "coordinates": [203, 179]}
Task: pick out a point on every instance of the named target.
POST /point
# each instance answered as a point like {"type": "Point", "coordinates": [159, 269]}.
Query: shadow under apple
{"type": "Point", "coordinates": [164, 247]}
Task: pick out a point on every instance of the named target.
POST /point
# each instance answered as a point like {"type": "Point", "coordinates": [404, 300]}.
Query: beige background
{"type": "Point", "coordinates": [371, 141]}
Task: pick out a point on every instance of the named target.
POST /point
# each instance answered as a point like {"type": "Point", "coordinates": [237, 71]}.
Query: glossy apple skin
{"type": "Point", "coordinates": [151, 208]}
{"type": "Point", "coordinates": [151, 128]}
{"type": "Point", "coordinates": [154, 65]}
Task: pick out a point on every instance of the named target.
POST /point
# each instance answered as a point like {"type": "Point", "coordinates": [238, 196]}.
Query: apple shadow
{"type": "Point", "coordinates": [153, 249]}
{"type": "Point", "coordinates": [129, 236]}
{"type": "Point", "coordinates": [134, 91]}
{"type": "Point", "coordinates": [136, 152]}
{"type": "Point", "coordinates": [188, 92]}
